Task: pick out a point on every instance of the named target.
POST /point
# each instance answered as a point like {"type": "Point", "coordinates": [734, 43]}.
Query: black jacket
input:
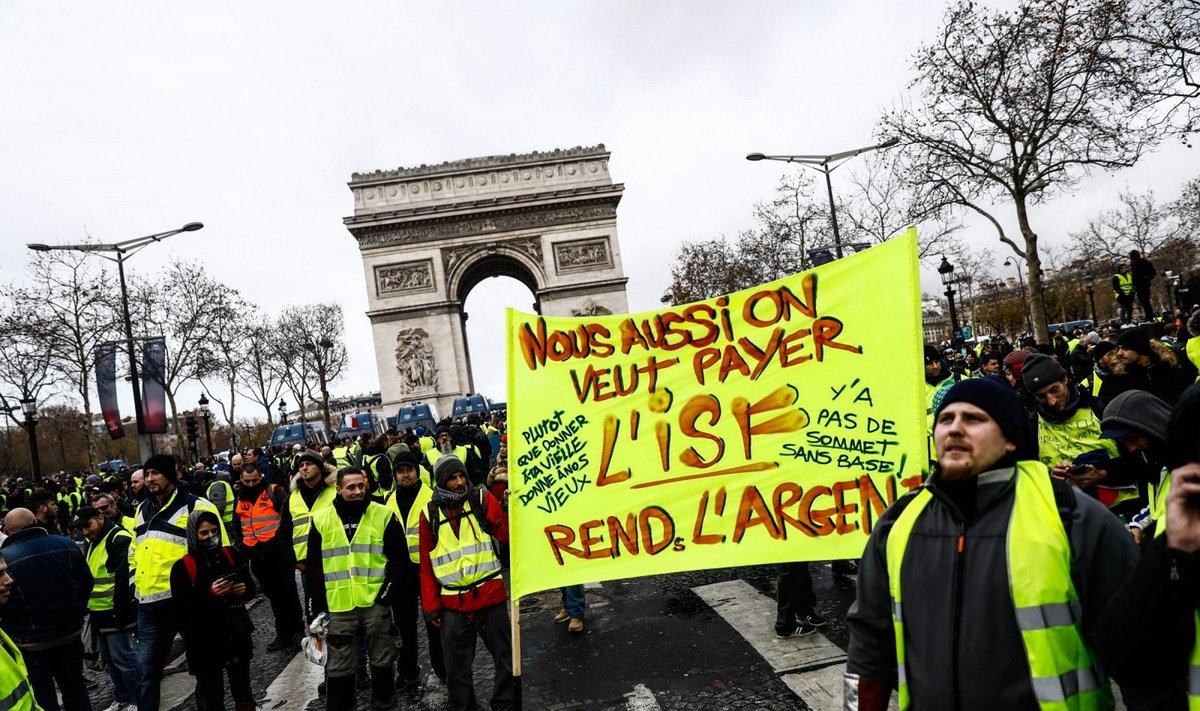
{"type": "Point", "coordinates": [51, 587]}
{"type": "Point", "coordinates": [964, 649]}
{"type": "Point", "coordinates": [216, 630]}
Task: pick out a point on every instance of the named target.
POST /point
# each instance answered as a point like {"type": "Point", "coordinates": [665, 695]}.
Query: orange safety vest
{"type": "Point", "coordinates": [260, 520]}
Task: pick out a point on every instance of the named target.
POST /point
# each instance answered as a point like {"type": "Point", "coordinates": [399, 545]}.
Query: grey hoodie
{"type": "Point", "coordinates": [1139, 410]}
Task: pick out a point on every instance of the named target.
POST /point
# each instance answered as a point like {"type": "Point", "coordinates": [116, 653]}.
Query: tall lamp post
{"type": "Point", "coordinates": [206, 414]}
{"type": "Point", "coordinates": [1090, 288]}
{"type": "Point", "coordinates": [1024, 303]}
{"type": "Point", "coordinates": [29, 408]}
{"type": "Point", "coordinates": [124, 250]}
{"type": "Point", "coordinates": [282, 412]}
{"type": "Point", "coordinates": [827, 164]}
{"type": "Point", "coordinates": [946, 270]}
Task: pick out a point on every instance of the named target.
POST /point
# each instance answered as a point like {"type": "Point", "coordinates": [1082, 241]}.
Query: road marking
{"type": "Point", "coordinates": [641, 699]}
{"type": "Point", "coordinates": [811, 666]}
{"type": "Point", "coordinates": [752, 614]}
{"type": "Point", "coordinates": [296, 685]}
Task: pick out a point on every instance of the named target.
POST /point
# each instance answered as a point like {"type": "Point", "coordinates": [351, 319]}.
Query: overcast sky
{"type": "Point", "coordinates": [123, 119]}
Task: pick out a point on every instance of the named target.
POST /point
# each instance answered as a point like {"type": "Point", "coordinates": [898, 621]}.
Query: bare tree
{"type": "Point", "coordinates": [1170, 30]}
{"type": "Point", "coordinates": [229, 344]}
{"type": "Point", "coordinates": [319, 332]}
{"type": "Point", "coordinates": [885, 202]}
{"type": "Point", "coordinates": [258, 380]}
{"type": "Point", "coordinates": [1012, 108]}
{"type": "Point", "coordinates": [69, 306]}
{"type": "Point", "coordinates": [25, 367]}
{"type": "Point", "coordinates": [1138, 222]}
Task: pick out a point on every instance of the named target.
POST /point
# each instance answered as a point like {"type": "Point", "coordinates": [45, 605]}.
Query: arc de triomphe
{"type": "Point", "coordinates": [429, 234]}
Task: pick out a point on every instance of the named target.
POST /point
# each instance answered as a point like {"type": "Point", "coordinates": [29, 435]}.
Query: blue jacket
{"type": "Point", "coordinates": [51, 586]}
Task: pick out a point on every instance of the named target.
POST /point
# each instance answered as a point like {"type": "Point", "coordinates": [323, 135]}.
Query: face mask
{"type": "Point", "coordinates": [209, 545]}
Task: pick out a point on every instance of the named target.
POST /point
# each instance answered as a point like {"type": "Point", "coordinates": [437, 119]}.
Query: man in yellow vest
{"type": "Point", "coordinates": [257, 514]}
{"type": "Point", "coordinates": [983, 588]}
{"type": "Point", "coordinates": [314, 487]}
{"type": "Point", "coordinates": [461, 589]}
{"type": "Point", "coordinates": [111, 607]}
{"type": "Point", "coordinates": [1122, 285]}
{"type": "Point", "coordinates": [355, 548]}
{"type": "Point", "coordinates": [14, 677]}
{"type": "Point", "coordinates": [408, 500]}
{"type": "Point", "coordinates": [1159, 604]}
{"type": "Point", "coordinates": [161, 540]}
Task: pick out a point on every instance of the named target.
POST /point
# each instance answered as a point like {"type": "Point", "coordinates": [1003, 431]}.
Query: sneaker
{"type": "Point", "coordinates": [576, 625]}
{"type": "Point", "coordinates": [801, 629]}
{"type": "Point", "coordinates": [814, 619]}
{"type": "Point", "coordinates": [562, 616]}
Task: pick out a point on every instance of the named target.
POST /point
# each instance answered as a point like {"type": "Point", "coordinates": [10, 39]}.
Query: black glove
{"type": "Point", "coordinates": [385, 594]}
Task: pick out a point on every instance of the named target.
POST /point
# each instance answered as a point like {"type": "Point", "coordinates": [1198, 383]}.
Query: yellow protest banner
{"type": "Point", "coordinates": [774, 424]}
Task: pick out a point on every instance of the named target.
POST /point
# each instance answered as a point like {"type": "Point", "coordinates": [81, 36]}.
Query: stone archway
{"type": "Point", "coordinates": [429, 234]}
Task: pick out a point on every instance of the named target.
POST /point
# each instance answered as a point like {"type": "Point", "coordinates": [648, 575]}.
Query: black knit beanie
{"type": "Point", "coordinates": [164, 463]}
{"type": "Point", "coordinates": [990, 395]}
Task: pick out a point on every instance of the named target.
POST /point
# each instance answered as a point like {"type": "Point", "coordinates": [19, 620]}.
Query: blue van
{"type": "Point", "coordinates": [470, 404]}
{"type": "Point", "coordinates": [416, 414]}
{"type": "Point", "coordinates": [359, 423]}
{"type": "Point", "coordinates": [287, 435]}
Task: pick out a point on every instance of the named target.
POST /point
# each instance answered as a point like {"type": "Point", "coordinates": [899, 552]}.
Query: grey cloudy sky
{"type": "Point", "coordinates": [124, 119]}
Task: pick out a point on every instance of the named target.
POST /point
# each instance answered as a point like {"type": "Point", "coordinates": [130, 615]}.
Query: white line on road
{"type": "Point", "coordinates": [641, 699]}
{"type": "Point", "coordinates": [752, 615]}
{"type": "Point", "coordinates": [296, 685]}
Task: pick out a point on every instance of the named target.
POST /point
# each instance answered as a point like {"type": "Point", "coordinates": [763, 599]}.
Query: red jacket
{"type": "Point", "coordinates": [485, 595]}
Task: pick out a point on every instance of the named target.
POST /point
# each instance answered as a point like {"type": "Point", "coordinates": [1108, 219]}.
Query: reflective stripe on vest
{"type": "Point", "coordinates": [160, 542]}
{"type": "Point", "coordinates": [1063, 673]}
{"type": "Point", "coordinates": [462, 561]}
{"type": "Point", "coordinates": [1064, 441]}
{"type": "Point", "coordinates": [354, 569]}
{"type": "Point", "coordinates": [15, 692]}
{"type": "Point", "coordinates": [1124, 285]}
{"type": "Point", "coordinates": [302, 517]}
{"type": "Point", "coordinates": [226, 505]}
{"type": "Point", "coordinates": [260, 520]}
{"type": "Point", "coordinates": [412, 524]}
{"type": "Point", "coordinates": [103, 581]}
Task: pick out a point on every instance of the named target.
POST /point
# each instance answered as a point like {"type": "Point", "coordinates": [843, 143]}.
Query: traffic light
{"type": "Point", "coordinates": [193, 430]}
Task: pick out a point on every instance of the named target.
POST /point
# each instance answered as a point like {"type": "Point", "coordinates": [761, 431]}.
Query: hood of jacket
{"type": "Point", "coordinates": [1139, 410]}
{"type": "Point", "coordinates": [1183, 444]}
{"type": "Point", "coordinates": [193, 523]}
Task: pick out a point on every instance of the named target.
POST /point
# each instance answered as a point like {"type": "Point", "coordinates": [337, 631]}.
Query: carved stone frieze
{"type": "Point", "coordinates": [591, 308]}
{"type": "Point", "coordinates": [484, 162]}
{"type": "Point", "coordinates": [531, 247]}
{"type": "Point", "coordinates": [482, 224]}
{"type": "Point", "coordinates": [415, 362]}
{"type": "Point", "coordinates": [404, 277]}
{"type": "Point", "coordinates": [582, 255]}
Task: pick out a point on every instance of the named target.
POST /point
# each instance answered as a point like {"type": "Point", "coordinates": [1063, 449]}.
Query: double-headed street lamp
{"type": "Point", "coordinates": [206, 414]}
{"type": "Point", "coordinates": [827, 164]}
{"type": "Point", "coordinates": [1024, 303]}
{"type": "Point", "coordinates": [29, 408]}
{"type": "Point", "coordinates": [124, 250]}
{"type": "Point", "coordinates": [282, 412]}
{"type": "Point", "coordinates": [946, 270]}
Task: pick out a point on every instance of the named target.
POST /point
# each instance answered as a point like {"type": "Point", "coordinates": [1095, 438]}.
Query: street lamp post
{"type": "Point", "coordinates": [29, 407]}
{"type": "Point", "coordinates": [282, 412]}
{"type": "Point", "coordinates": [124, 250]}
{"type": "Point", "coordinates": [827, 164]}
{"type": "Point", "coordinates": [1024, 304]}
{"type": "Point", "coordinates": [946, 270]}
{"type": "Point", "coordinates": [206, 414]}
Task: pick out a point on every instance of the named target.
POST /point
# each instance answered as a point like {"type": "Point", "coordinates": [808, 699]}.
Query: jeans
{"type": "Point", "coordinates": [574, 601]}
{"type": "Point", "coordinates": [459, 631]}
{"type": "Point", "coordinates": [62, 665]}
{"type": "Point", "coordinates": [406, 609]}
{"type": "Point", "coordinates": [156, 631]}
{"type": "Point", "coordinates": [795, 597]}
{"type": "Point", "coordinates": [1143, 297]}
{"type": "Point", "coordinates": [116, 649]}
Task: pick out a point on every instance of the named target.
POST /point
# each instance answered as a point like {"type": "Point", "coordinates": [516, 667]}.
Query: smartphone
{"type": "Point", "coordinates": [1077, 470]}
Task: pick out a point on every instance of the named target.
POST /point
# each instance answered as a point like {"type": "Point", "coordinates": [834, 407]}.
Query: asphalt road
{"type": "Point", "coordinates": [649, 644]}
